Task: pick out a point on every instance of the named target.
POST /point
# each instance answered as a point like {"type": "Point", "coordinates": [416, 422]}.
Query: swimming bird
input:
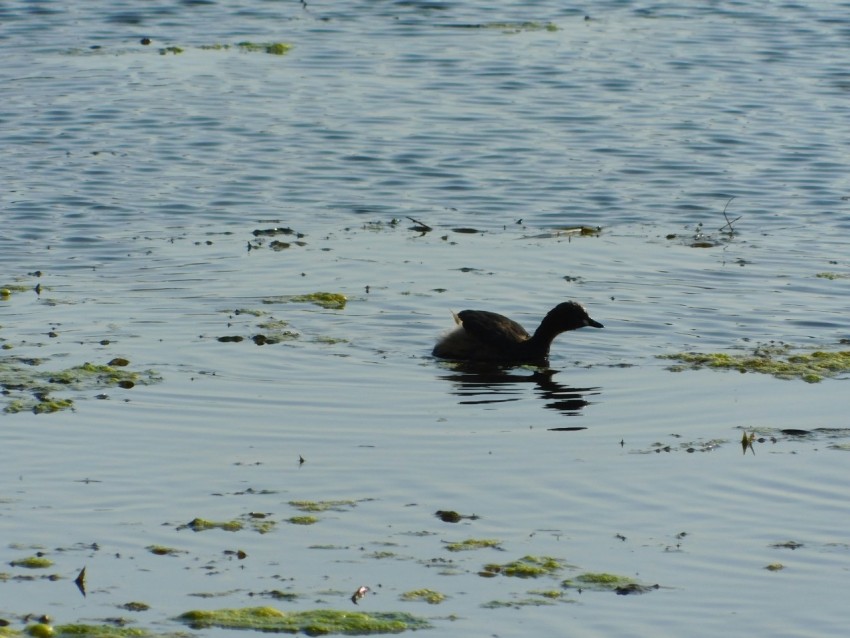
{"type": "Point", "coordinates": [487, 336]}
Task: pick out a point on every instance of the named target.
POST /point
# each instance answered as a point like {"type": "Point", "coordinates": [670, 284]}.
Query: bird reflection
{"type": "Point", "coordinates": [483, 384]}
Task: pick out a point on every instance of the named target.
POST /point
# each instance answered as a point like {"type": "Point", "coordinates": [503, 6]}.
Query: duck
{"type": "Point", "coordinates": [484, 336]}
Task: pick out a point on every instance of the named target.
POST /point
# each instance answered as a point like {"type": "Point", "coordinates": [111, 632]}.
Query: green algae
{"type": "Point", "coordinates": [248, 311]}
{"type": "Point", "coordinates": [777, 360]}
{"type": "Point", "coordinates": [32, 562]}
{"type": "Point", "coordinates": [322, 506]}
{"type": "Point", "coordinates": [603, 581]}
{"type": "Point", "coordinates": [272, 48]}
{"type": "Point", "coordinates": [47, 405]}
{"type": "Point", "coordinates": [202, 525]}
{"type": "Point", "coordinates": [303, 520]}
{"type": "Point", "coordinates": [23, 376]}
{"type": "Point", "coordinates": [424, 595]}
{"type": "Point", "coordinates": [315, 623]}
{"type": "Point", "coordinates": [598, 581]}
{"type": "Point", "coordinates": [551, 594]}
{"type": "Point", "coordinates": [473, 543]}
{"type": "Point", "coordinates": [93, 631]}
{"type": "Point", "coordinates": [329, 300]}
{"type": "Point", "coordinates": [525, 567]}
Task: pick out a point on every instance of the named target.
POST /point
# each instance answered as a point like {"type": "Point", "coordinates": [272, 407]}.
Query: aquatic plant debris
{"type": "Point", "coordinates": [32, 562]}
{"type": "Point", "coordinates": [473, 543]}
{"type": "Point", "coordinates": [45, 630]}
{"type": "Point", "coordinates": [329, 300]}
{"type": "Point", "coordinates": [316, 622]}
{"type": "Point", "coordinates": [777, 359]}
{"type": "Point", "coordinates": [202, 525]}
{"type": "Point", "coordinates": [525, 567]}
{"type": "Point", "coordinates": [323, 506]}
{"type": "Point", "coordinates": [29, 388]}
{"type": "Point", "coordinates": [424, 595]}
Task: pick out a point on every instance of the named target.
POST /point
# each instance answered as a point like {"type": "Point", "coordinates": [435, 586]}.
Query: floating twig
{"type": "Point", "coordinates": [728, 223]}
{"type": "Point", "coordinates": [420, 227]}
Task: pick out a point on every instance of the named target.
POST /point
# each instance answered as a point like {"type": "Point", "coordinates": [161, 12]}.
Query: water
{"type": "Point", "coordinates": [133, 182]}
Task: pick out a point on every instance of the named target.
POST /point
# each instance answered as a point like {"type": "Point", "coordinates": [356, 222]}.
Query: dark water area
{"type": "Point", "coordinates": [704, 150]}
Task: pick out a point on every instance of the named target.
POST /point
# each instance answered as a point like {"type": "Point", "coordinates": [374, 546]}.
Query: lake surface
{"type": "Point", "coordinates": [140, 186]}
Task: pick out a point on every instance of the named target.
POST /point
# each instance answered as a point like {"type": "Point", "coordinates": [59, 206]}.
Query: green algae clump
{"type": "Point", "coordinates": [22, 376]}
{"type": "Point", "coordinates": [473, 543]}
{"type": "Point", "coordinates": [426, 595]}
{"type": "Point", "coordinates": [322, 506]}
{"type": "Point", "coordinates": [776, 360]}
{"type": "Point", "coordinates": [303, 520]}
{"type": "Point", "coordinates": [39, 630]}
{"type": "Point", "coordinates": [48, 405]}
{"type": "Point", "coordinates": [97, 631]}
{"type": "Point", "coordinates": [525, 567]}
{"type": "Point", "coordinates": [314, 623]}
{"type": "Point", "coordinates": [202, 525]}
{"type": "Point", "coordinates": [329, 300]}
{"type": "Point", "coordinates": [598, 580]}
{"type": "Point", "coordinates": [273, 48]}
{"type": "Point", "coordinates": [32, 562]}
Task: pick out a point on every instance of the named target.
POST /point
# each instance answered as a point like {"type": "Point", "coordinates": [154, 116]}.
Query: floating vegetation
{"type": "Point", "coordinates": [276, 330]}
{"type": "Point", "coordinates": [32, 562]}
{"type": "Point", "coordinates": [135, 606]}
{"type": "Point", "coordinates": [525, 567]}
{"type": "Point", "coordinates": [832, 275]}
{"type": "Point", "coordinates": [425, 595]}
{"type": "Point", "coordinates": [44, 630]}
{"type": "Point", "coordinates": [23, 377]}
{"type": "Point", "coordinates": [776, 359]}
{"type": "Point", "coordinates": [774, 567]}
{"type": "Point", "coordinates": [315, 623]}
{"type": "Point", "coordinates": [323, 506]}
{"type": "Point", "coordinates": [602, 581]}
{"type": "Point", "coordinates": [249, 311]}
{"type": "Point", "coordinates": [329, 300]}
{"type": "Point", "coordinates": [303, 520]}
{"type": "Point", "coordinates": [272, 48]}
{"type": "Point", "coordinates": [473, 543]}
{"type": "Point", "coordinates": [259, 522]}
{"type": "Point", "coordinates": [787, 545]}
{"type": "Point", "coordinates": [581, 231]}
{"type": "Point", "coordinates": [597, 580]}
{"type": "Point", "coordinates": [202, 525]}
{"type": "Point", "coordinates": [552, 594]}
{"type": "Point", "coordinates": [167, 50]}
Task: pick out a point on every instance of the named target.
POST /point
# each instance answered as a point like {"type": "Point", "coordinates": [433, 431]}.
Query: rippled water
{"type": "Point", "coordinates": [133, 182]}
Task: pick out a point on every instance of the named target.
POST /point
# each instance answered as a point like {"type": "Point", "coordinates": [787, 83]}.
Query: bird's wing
{"type": "Point", "coordinates": [492, 328]}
